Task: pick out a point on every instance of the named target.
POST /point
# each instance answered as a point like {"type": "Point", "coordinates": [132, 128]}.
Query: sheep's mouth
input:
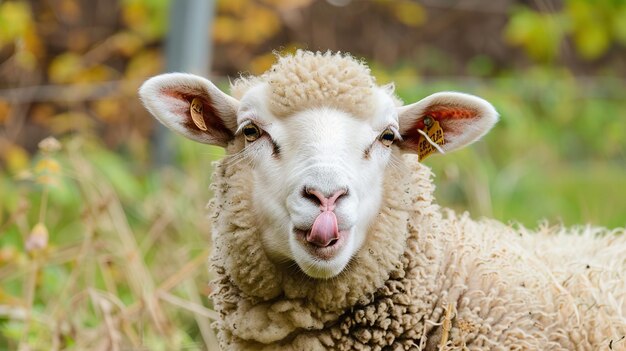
{"type": "Point", "coordinates": [327, 252]}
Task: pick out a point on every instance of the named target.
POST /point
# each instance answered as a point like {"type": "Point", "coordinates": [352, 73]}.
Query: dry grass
{"type": "Point", "coordinates": [103, 268]}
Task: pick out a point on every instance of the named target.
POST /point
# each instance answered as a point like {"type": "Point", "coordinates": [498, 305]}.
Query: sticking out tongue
{"type": "Point", "coordinates": [324, 230]}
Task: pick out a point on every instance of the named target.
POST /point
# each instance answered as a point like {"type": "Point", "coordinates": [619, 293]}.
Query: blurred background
{"type": "Point", "coordinates": [103, 235]}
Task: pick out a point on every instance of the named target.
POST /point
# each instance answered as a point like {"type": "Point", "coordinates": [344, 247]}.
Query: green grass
{"type": "Point", "coordinates": [125, 262]}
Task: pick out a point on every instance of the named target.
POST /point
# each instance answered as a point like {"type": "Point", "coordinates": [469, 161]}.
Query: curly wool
{"type": "Point", "coordinates": [306, 80]}
{"type": "Point", "coordinates": [425, 279]}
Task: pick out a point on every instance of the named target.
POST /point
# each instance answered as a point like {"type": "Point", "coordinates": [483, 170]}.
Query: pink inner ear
{"type": "Point", "coordinates": [183, 97]}
{"type": "Point", "coordinates": [444, 114]}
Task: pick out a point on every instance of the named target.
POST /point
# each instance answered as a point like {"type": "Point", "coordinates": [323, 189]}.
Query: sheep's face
{"type": "Point", "coordinates": [317, 172]}
{"type": "Point", "coordinates": [318, 177]}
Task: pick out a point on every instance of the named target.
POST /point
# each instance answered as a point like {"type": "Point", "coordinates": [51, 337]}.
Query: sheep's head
{"type": "Point", "coordinates": [319, 135]}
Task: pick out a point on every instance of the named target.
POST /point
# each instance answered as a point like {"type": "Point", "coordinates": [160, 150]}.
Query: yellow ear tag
{"type": "Point", "coordinates": [196, 113]}
{"type": "Point", "coordinates": [434, 131]}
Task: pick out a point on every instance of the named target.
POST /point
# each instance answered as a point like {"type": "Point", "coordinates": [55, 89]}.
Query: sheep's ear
{"type": "Point", "coordinates": [169, 97]}
{"type": "Point", "coordinates": [462, 119]}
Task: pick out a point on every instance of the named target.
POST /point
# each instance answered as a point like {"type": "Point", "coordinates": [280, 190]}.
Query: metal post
{"type": "Point", "coordinates": [188, 49]}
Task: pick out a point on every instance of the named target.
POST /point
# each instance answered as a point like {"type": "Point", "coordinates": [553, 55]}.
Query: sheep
{"type": "Point", "coordinates": [326, 234]}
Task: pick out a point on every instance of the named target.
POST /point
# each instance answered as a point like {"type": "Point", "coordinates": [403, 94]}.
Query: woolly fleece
{"type": "Point", "coordinates": [425, 278]}
{"type": "Point", "coordinates": [306, 80]}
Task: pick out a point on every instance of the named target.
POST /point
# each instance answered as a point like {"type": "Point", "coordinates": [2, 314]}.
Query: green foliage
{"type": "Point", "coordinates": [146, 17]}
{"type": "Point", "coordinates": [540, 34]}
{"type": "Point", "coordinates": [593, 26]}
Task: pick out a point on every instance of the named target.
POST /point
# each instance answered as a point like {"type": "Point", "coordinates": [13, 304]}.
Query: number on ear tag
{"type": "Point", "coordinates": [435, 133]}
{"type": "Point", "coordinates": [196, 109]}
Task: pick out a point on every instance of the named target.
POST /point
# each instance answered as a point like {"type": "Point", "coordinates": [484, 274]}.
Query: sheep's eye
{"type": "Point", "coordinates": [251, 132]}
{"type": "Point", "coordinates": [387, 137]}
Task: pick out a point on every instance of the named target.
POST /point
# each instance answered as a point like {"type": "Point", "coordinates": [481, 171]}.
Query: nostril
{"type": "Point", "coordinates": [309, 194]}
{"type": "Point", "coordinates": [338, 194]}
{"type": "Point", "coordinates": [326, 203]}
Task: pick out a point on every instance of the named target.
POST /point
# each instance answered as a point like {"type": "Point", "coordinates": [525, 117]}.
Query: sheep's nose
{"type": "Point", "coordinates": [325, 230]}
{"type": "Point", "coordinates": [326, 203]}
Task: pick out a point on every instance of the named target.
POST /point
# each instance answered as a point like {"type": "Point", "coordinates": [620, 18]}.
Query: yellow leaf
{"type": "Point", "coordinates": [592, 42]}
{"type": "Point", "coordinates": [48, 165]}
{"type": "Point", "coordinates": [225, 29]}
{"type": "Point", "coordinates": [539, 34]}
{"type": "Point", "coordinates": [146, 18]}
{"type": "Point", "coordinates": [32, 42]}
{"type": "Point", "coordinates": [135, 15]}
{"type": "Point", "coordinates": [619, 25]}
{"type": "Point", "coordinates": [97, 73]}
{"type": "Point", "coordinates": [71, 122]}
{"type": "Point", "coordinates": [15, 18]}
{"type": "Point", "coordinates": [5, 112]}
{"type": "Point", "coordinates": [127, 43]}
{"type": "Point", "coordinates": [64, 68]}
{"type": "Point", "coordinates": [146, 63]}
{"type": "Point", "coordinates": [15, 157]}
{"type": "Point", "coordinates": [410, 13]}
{"type": "Point", "coordinates": [108, 110]}
{"type": "Point", "coordinates": [26, 60]}
{"type": "Point", "coordinates": [258, 25]}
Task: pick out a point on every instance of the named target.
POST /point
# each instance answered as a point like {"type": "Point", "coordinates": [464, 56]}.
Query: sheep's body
{"type": "Point", "coordinates": [431, 279]}
{"type": "Point", "coordinates": [327, 237]}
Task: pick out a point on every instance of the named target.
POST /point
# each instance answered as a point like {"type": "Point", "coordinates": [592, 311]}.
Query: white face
{"type": "Point", "coordinates": [317, 174]}
{"type": "Point", "coordinates": [308, 158]}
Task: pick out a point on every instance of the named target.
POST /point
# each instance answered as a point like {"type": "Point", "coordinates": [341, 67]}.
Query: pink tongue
{"type": "Point", "coordinates": [324, 229]}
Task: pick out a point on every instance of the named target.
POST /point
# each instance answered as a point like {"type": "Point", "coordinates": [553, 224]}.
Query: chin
{"type": "Point", "coordinates": [326, 262]}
